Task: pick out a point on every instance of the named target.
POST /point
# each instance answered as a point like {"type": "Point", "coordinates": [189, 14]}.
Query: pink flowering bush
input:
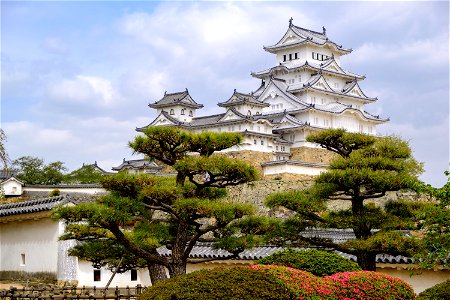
{"type": "Point", "coordinates": [360, 285]}
{"type": "Point", "coordinates": [304, 284]}
{"type": "Point", "coordinates": [367, 285]}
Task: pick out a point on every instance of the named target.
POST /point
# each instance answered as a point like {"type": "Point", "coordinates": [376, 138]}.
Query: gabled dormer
{"type": "Point", "coordinates": [246, 104]}
{"type": "Point", "coordinates": [178, 105]}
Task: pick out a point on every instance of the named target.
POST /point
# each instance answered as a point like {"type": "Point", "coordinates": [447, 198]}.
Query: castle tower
{"type": "Point", "coordinates": [307, 90]}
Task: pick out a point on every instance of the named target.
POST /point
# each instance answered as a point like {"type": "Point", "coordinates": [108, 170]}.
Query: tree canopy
{"type": "Point", "coordinates": [4, 158]}
{"type": "Point", "coordinates": [143, 213]}
{"type": "Point", "coordinates": [365, 168]}
{"type": "Point", "coordinates": [32, 170]}
{"type": "Point", "coordinates": [84, 175]}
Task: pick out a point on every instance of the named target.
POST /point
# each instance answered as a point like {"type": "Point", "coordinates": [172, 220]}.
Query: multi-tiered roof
{"type": "Point", "coordinates": [306, 90]}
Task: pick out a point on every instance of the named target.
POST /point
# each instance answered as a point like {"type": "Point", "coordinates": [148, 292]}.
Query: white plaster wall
{"type": "Point", "coordinates": [37, 239]}
{"type": "Point", "coordinates": [65, 190]}
{"type": "Point", "coordinates": [420, 280]}
{"type": "Point", "coordinates": [86, 277]}
{"type": "Point", "coordinates": [293, 169]}
{"type": "Point", "coordinates": [12, 188]}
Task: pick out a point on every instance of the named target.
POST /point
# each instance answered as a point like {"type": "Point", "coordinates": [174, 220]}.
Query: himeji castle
{"type": "Point", "coordinates": [307, 90]}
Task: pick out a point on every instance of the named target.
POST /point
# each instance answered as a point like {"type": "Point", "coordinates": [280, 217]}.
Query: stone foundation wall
{"type": "Point", "coordinates": [253, 158]}
{"type": "Point", "coordinates": [312, 155]}
{"type": "Point", "coordinates": [256, 192]}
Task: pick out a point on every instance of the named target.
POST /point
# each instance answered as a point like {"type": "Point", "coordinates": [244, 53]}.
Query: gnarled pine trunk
{"type": "Point", "coordinates": [157, 273]}
{"type": "Point", "coordinates": [367, 260]}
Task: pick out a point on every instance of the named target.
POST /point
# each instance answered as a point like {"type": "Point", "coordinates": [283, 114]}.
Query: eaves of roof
{"type": "Point", "coordinates": [32, 206]}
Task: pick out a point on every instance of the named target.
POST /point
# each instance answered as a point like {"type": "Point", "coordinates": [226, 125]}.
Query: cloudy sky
{"type": "Point", "coordinates": [76, 77]}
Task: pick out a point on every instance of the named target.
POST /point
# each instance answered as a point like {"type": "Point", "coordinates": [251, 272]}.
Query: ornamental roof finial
{"type": "Point", "coordinates": [290, 22]}
{"type": "Point", "coordinates": [324, 31]}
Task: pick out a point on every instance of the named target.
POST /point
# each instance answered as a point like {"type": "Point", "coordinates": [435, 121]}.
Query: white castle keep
{"type": "Point", "coordinates": [307, 90]}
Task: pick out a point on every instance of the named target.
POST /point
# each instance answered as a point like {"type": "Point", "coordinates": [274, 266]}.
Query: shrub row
{"type": "Point", "coordinates": [440, 291]}
{"type": "Point", "coordinates": [278, 282]}
{"type": "Point", "coordinates": [317, 262]}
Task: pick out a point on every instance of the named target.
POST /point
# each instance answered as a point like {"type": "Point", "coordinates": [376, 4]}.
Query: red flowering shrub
{"type": "Point", "coordinates": [305, 284]}
{"type": "Point", "coordinates": [366, 285]}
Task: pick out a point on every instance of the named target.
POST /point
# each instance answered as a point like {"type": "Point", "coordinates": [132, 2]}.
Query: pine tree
{"type": "Point", "coordinates": [365, 168]}
{"type": "Point", "coordinates": [143, 212]}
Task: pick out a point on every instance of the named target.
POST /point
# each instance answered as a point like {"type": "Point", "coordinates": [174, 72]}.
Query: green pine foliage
{"type": "Point", "coordinates": [317, 262]}
{"type": "Point", "coordinates": [365, 168]}
{"type": "Point", "coordinates": [143, 212]}
{"type": "Point", "coordinates": [440, 291]}
{"type": "Point", "coordinates": [226, 284]}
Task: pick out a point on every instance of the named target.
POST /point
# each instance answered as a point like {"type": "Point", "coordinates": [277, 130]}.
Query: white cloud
{"type": "Point", "coordinates": [430, 144]}
{"type": "Point", "coordinates": [54, 45]}
{"type": "Point", "coordinates": [85, 90]}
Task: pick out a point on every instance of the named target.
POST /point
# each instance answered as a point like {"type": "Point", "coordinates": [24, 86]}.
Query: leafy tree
{"type": "Point", "coordinates": [32, 170]}
{"type": "Point", "coordinates": [365, 168]}
{"type": "Point", "coordinates": [145, 212]}
{"type": "Point", "coordinates": [84, 175]}
{"type": "Point", "coordinates": [436, 228]}
{"type": "Point", "coordinates": [4, 158]}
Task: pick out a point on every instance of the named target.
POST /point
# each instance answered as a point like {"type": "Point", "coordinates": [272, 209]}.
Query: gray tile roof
{"type": "Point", "coordinates": [179, 98]}
{"type": "Point", "coordinates": [205, 250]}
{"type": "Point", "coordinates": [33, 206]}
{"type": "Point", "coordinates": [307, 65]}
{"type": "Point", "coordinates": [138, 164]}
{"type": "Point", "coordinates": [306, 36]}
{"type": "Point", "coordinates": [5, 174]}
{"type": "Point", "coordinates": [242, 98]}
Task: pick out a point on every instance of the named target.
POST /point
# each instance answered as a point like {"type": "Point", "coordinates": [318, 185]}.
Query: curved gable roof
{"type": "Point", "coordinates": [178, 98]}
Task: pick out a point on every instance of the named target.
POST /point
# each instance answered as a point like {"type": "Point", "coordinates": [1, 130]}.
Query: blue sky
{"type": "Point", "coordinates": [76, 77]}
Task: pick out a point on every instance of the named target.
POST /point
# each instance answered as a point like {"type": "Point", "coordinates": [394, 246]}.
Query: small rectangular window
{"type": "Point", "coordinates": [262, 142]}
{"type": "Point", "coordinates": [284, 57]}
{"type": "Point", "coordinates": [295, 55]}
{"type": "Point", "coordinates": [290, 56]}
{"type": "Point", "coordinates": [254, 142]}
{"type": "Point", "coordinates": [133, 275]}
{"type": "Point", "coordinates": [97, 275]}
{"type": "Point", "coordinates": [22, 259]}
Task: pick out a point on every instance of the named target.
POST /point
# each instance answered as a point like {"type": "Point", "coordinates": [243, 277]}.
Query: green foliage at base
{"type": "Point", "coordinates": [364, 285]}
{"type": "Point", "coordinates": [54, 193]}
{"type": "Point", "coordinates": [319, 263]}
{"type": "Point", "coordinates": [220, 283]}
{"type": "Point", "coordinates": [440, 291]}
{"type": "Point", "coordinates": [279, 282]}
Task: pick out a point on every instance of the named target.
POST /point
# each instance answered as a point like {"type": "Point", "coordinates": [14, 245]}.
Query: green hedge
{"type": "Point", "coordinates": [440, 291]}
{"type": "Point", "coordinates": [319, 263]}
{"type": "Point", "coordinates": [232, 283]}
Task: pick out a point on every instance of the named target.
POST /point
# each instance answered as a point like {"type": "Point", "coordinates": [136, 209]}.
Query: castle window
{"type": "Point", "coordinates": [133, 274]}
{"type": "Point", "coordinates": [97, 275]}
{"type": "Point", "coordinates": [290, 56]}
{"type": "Point", "coordinates": [254, 142]}
{"type": "Point", "coordinates": [284, 57]}
{"type": "Point", "coordinates": [258, 128]}
{"type": "Point", "coordinates": [295, 55]}
{"type": "Point", "coordinates": [276, 148]}
{"type": "Point", "coordinates": [172, 112]}
{"type": "Point", "coordinates": [190, 113]}
{"type": "Point", "coordinates": [249, 113]}
{"type": "Point", "coordinates": [262, 142]}
{"type": "Point", "coordinates": [182, 111]}
{"type": "Point", "coordinates": [282, 148]}
{"type": "Point", "coordinates": [22, 259]}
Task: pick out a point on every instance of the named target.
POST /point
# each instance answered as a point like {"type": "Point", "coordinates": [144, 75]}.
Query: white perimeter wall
{"type": "Point", "coordinates": [37, 239]}
{"type": "Point", "coordinates": [86, 277]}
{"type": "Point", "coordinates": [292, 168]}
